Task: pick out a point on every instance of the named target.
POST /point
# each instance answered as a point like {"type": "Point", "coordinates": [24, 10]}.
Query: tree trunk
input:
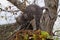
{"type": "Point", "coordinates": [49, 18]}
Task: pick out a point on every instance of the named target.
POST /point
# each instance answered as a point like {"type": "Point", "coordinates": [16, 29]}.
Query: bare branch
{"type": "Point", "coordinates": [18, 4]}
{"type": "Point", "coordinates": [34, 2]}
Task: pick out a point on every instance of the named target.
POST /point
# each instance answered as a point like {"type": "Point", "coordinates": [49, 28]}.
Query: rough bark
{"type": "Point", "coordinates": [20, 6]}
{"type": "Point", "coordinates": [49, 18]}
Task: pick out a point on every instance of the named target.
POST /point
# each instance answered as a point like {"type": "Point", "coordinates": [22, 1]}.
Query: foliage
{"type": "Point", "coordinates": [33, 35]}
{"type": "Point", "coordinates": [45, 34]}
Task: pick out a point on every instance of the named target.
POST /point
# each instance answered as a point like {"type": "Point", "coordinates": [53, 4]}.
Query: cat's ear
{"type": "Point", "coordinates": [45, 9]}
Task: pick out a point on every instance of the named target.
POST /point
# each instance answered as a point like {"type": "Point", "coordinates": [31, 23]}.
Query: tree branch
{"type": "Point", "coordinates": [18, 4]}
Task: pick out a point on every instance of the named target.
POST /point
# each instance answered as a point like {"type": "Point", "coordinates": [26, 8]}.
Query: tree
{"type": "Point", "coordinates": [18, 4]}
{"type": "Point", "coordinates": [48, 19]}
